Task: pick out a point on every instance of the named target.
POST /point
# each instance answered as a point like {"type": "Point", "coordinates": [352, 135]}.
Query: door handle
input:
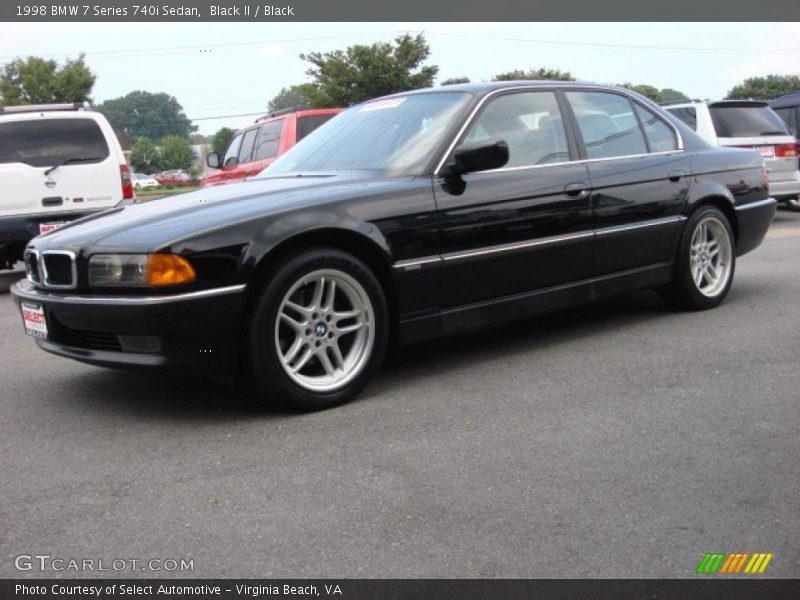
{"type": "Point", "coordinates": [675, 176]}
{"type": "Point", "coordinates": [576, 191]}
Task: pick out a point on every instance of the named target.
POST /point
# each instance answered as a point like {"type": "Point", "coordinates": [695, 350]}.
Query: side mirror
{"type": "Point", "coordinates": [469, 159]}
{"type": "Point", "coordinates": [213, 160]}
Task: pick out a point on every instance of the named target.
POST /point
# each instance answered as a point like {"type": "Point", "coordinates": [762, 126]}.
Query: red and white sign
{"type": "Point", "coordinates": [48, 227]}
{"type": "Point", "coordinates": [34, 321]}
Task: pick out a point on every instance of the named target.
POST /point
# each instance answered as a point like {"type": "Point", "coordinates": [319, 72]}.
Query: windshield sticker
{"type": "Point", "coordinates": [382, 104]}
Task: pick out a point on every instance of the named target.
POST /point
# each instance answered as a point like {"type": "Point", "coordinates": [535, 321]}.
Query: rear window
{"type": "Point", "coordinates": [306, 125]}
{"type": "Point", "coordinates": [746, 121]}
{"type": "Point", "coordinates": [49, 142]}
{"type": "Point", "coordinates": [687, 114]}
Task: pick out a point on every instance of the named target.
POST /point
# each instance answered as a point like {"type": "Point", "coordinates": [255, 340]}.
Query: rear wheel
{"type": "Point", "coordinates": [706, 262]}
{"type": "Point", "coordinates": [319, 330]}
{"type": "Point", "coordinates": [793, 204]}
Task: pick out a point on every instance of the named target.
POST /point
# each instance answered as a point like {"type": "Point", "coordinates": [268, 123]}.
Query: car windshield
{"type": "Point", "coordinates": [394, 136]}
{"type": "Point", "coordinates": [737, 120]}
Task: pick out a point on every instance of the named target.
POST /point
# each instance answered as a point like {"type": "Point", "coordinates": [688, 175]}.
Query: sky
{"type": "Point", "coordinates": [222, 69]}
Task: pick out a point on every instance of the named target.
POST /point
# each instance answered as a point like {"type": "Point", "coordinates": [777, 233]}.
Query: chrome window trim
{"type": "Point", "coordinates": [43, 270]}
{"type": "Point", "coordinates": [42, 296]}
{"type": "Point", "coordinates": [592, 87]}
{"type": "Point", "coordinates": [756, 204]}
{"type": "Point", "coordinates": [413, 264]}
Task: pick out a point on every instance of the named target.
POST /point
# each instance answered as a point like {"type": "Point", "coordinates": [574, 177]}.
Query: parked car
{"type": "Point", "coordinates": [58, 162]}
{"type": "Point", "coordinates": [788, 108]}
{"type": "Point", "coordinates": [174, 177]}
{"type": "Point", "coordinates": [749, 124]}
{"type": "Point", "coordinates": [142, 181]}
{"type": "Point", "coordinates": [426, 213]}
{"type": "Point", "coordinates": [254, 148]}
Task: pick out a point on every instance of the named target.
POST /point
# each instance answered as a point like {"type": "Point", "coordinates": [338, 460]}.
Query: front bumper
{"type": "Point", "coordinates": [195, 331]}
{"type": "Point", "coordinates": [753, 220]}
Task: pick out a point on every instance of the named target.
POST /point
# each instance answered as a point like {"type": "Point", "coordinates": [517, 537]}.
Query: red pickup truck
{"type": "Point", "coordinates": [255, 147]}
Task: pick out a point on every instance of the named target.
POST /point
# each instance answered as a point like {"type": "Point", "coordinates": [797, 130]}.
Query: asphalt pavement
{"type": "Point", "coordinates": [619, 440]}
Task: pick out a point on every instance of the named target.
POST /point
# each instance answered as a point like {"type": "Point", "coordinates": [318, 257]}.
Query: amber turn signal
{"type": "Point", "coordinates": [168, 269]}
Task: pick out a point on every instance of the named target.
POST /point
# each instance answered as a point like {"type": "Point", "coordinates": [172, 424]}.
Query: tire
{"type": "Point", "coordinates": [695, 287]}
{"type": "Point", "coordinates": [306, 352]}
{"type": "Point", "coordinates": [793, 204]}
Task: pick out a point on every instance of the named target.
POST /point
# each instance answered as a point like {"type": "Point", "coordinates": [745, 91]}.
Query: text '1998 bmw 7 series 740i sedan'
{"type": "Point", "coordinates": [418, 215]}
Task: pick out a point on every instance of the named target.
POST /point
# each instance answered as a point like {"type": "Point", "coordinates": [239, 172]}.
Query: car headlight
{"type": "Point", "coordinates": [148, 270]}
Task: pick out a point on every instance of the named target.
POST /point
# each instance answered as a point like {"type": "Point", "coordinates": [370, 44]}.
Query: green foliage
{"type": "Point", "coordinates": [176, 153]}
{"type": "Point", "coordinates": [765, 88]}
{"type": "Point", "coordinates": [145, 156]}
{"type": "Point", "coordinates": [645, 90]}
{"type": "Point", "coordinates": [296, 96]}
{"type": "Point", "coordinates": [145, 114]}
{"type": "Point", "coordinates": [455, 80]}
{"type": "Point", "coordinates": [38, 81]}
{"type": "Point", "coordinates": [670, 95]}
{"type": "Point", "coordinates": [361, 72]}
{"type": "Point", "coordinates": [221, 139]}
{"type": "Point", "coordinates": [540, 73]}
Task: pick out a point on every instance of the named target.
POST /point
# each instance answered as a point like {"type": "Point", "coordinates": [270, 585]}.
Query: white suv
{"type": "Point", "coordinates": [58, 162]}
{"type": "Point", "coordinates": [749, 124]}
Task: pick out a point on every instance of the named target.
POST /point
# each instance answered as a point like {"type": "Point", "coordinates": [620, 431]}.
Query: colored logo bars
{"type": "Point", "coordinates": [734, 562]}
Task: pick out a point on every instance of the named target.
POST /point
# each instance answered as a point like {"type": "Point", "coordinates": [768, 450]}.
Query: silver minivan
{"type": "Point", "coordinates": [749, 124]}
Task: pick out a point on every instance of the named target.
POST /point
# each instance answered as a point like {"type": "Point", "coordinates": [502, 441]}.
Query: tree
{"type": "Point", "coordinates": [361, 72]}
{"type": "Point", "coordinates": [296, 96]}
{"type": "Point", "coordinates": [455, 80]}
{"type": "Point", "coordinates": [151, 115]}
{"type": "Point", "coordinates": [540, 73]}
{"type": "Point", "coordinates": [176, 153]}
{"type": "Point", "coordinates": [669, 95]}
{"type": "Point", "coordinates": [221, 140]}
{"type": "Point", "coordinates": [645, 90]}
{"type": "Point", "coordinates": [765, 88]}
{"type": "Point", "coordinates": [38, 81]}
{"type": "Point", "coordinates": [145, 156]}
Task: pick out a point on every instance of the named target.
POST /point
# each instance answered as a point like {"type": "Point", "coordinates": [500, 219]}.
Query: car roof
{"type": "Point", "coordinates": [486, 87]}
{"type": "Point", "coordinates": [786, 101]}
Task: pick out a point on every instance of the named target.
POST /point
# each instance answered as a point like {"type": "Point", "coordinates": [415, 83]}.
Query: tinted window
{"type": "Point", "coordinates": [789, 116]}
{"type": "Point", "coordinates": [306, 125]}
{"type": "Point", "coordinates": [607, 124]}
{"type": "Point", "coordinates": [269, 140]}
{"type": "Point", "coordinates": [248, 141]}
{"type": "Point", "coordinates": [736, 120]}
{"type": "Point", "coordinates": [395, 136]}
{"type": "Point", "coordinates": [687, 114]}
{"type": "Point", "coordinates": [659, 135]}
{"type": "Point", "coordinates": [232, 153]}
{"type": "Point", "coordinates": [530, 123]}
{"type": "Point", "coordinates": [48, 142]}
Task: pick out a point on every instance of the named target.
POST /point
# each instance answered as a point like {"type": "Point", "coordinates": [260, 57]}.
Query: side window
{"type": "Point", "coordinates": [232, 153]}
{"type": "Point", "coordinates": [529, 122]}
{"type": "Point", "coordinates": [248, 141]}
{"type": "Point", "coordinates": [607, 124]}
{"type": "Point", "coordinates": [687, 114]}
{"type": "Point", "coordinates": [659, 134]}
{"type": "Point", "coordinates": [269, 140]}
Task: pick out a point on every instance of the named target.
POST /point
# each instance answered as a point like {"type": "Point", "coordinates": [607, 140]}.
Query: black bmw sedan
{"type": "Point", "coordinates": [423, 214]}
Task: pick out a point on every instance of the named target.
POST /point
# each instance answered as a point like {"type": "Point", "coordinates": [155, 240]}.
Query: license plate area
{"type": "Point", "coordinates": [34, 320]}
{"type": "Point", "coordinates": [767, 151]}
{"type": "Point", "coordinates": [48, 227]}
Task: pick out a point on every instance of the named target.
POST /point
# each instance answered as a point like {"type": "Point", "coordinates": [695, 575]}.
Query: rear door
{"type": "Point", "coordinates": [522, 227]}
{"type": "Point", "coordinates": [30, 147]}
{"type": "Point", "coordinates": [639, 177]}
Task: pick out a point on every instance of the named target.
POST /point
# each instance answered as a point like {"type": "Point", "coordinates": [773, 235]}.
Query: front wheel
{"type": "Point", "coordinates": [319, 330]}
{"type": "Point", "coordinates": [706, 262]}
